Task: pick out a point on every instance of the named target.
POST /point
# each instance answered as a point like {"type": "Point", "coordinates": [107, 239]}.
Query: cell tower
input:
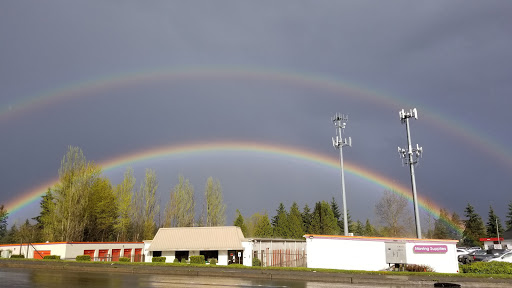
{"type": "Point", "coordinates": [340, 121]}
{"type": "Point", "coordinates": [410, 157]}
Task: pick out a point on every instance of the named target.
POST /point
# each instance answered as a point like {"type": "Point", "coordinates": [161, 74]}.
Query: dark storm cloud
{"type": "Point", "coordinates": [451, 59]}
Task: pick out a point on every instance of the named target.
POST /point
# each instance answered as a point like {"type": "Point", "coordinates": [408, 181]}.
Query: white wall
{"type": "Point", "coordinates": [346, 254]}
{"type": "Point", "coordinates": [223, 257]}
{"type": "Point", "coordinates": [248, 251]}
{"type": "Point", "coordinates": [365, 253]}
{"type": "Point", "coordinates": [169, 256]}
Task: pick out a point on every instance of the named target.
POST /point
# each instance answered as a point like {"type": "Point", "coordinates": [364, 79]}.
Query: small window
{"type": "Point", "coordinates": [157, 253]}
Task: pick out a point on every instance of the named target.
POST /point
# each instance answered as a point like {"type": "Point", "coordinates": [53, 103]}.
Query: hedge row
{"type": "Point", "coordinates": [17, 256]}
{"type": "Point", "coordinates": [197, 259]}
{"type": "Point", "coordinates": [124, 259]}
{"type": "Point", "coordinates": [54, 257]}
{"type": "Point", "coordinates": [493, 267]}
{"type": "Point", "coordinates": [212, 261]}
{"type": "Point", "coordinates": [83, 258]}
{"type": "Point", "coordinates": [158, 259]}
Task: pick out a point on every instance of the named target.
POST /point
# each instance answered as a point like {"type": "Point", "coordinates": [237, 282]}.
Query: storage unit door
{"type": "Point", "coordinates": [103, 255]}
{"type": "Point", "coordinates": [138, 255]}
{"type": "Point", "coordinates": [127, 253]}
{"type": "Point", "coordinates": [115, 254]}
{"type": "Point", "coordinates": [90, 253]}
{"type": "Point", "coordinates": [40, 254]}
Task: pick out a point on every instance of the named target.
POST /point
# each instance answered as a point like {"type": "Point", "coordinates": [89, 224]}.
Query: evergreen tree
{"type": "Point", "coordinates": [358, 228]}
{"type": "Point", "coordinates": [493, 225]}
{"type": "Point", "coordinates": [280, 223]}
{"type": "Point", "coordinates": [279, 210]}
{"type": "Point", "coordinates": [369, 230]}
{"type": "Point", "coordinates": [263, 228]}
{"type": "Point", "coordinates": [323, 222]}
{"type": "Point", "coordinates": [441, 229]}
{"type": "Point", "coordinates": [3, 222]}
{"type": "Point", "coordinates": [11, 235]}
{"type": "Point", "coordinates": [351, 225]}
{"type": "Point", "coordinates": [307, 217]}
{"type": "Point", "coordinates": [337, 215]}
{"type": "Point", "coordinates": [295, 222]}
{"type": "Point", "coordinates": [474, 228]}
{"type": "Point", "coordinates": [240, 222]}
{"type": "Point", "coordinates": [509, 216]}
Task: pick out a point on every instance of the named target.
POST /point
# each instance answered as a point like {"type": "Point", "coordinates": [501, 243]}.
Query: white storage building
{"type": "Point", "coordinates": [378, 253]}
{"type": "Point", "coordinates": [99, 251]}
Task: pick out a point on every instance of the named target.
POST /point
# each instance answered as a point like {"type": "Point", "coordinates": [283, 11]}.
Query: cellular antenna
{"type": "Point", "coordinates": [410, 156]}
{"type": "Point", "coordinates": [340, 121]}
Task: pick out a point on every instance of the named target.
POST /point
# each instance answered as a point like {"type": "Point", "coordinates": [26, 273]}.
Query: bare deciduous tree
{"type": "Point", "coordinates": [393, 214]}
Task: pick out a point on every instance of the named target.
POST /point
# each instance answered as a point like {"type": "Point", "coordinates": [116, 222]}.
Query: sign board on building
{"type": "Point", "coordinates": [430, 249]}
{"type": "Point", "coordinates": [395, 253]}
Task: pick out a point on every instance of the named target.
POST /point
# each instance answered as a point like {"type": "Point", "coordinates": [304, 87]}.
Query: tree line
{"type": "Point", "coordinates": [85, 206]}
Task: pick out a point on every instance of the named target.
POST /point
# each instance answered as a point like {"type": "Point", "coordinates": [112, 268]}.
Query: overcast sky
{"type": "Point", "coordinates": [118, 77]}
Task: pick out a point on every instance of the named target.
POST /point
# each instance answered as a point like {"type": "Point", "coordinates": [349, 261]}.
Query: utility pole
{"type": "Point", "coordinates": [410, 157]}
{"type": "Point", "coordinates": [338, 143]}
{"type": "Point", "coordinates": [498, 230]}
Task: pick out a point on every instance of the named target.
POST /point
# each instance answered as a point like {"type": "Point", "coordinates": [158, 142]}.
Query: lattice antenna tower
{"type": "Point", "coordinates": [410, 157]}
{"type": "Point", "coordinates": [340, 122]}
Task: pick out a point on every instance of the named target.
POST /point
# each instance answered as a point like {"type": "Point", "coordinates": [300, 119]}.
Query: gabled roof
{"type": "Point", "coordinates": [198, 238]}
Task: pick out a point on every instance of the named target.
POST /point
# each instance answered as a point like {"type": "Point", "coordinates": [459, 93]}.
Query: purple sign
{"type": "Point", "coordinates": [430, 249]}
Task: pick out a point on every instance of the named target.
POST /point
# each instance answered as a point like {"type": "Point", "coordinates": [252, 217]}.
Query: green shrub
{"type": "Point", "coordinates": [493, 267]}
{"type": "Point", "coordinates": [83, 258]}
{"type": "Point", "coordinates": [176, 260]}
{"type": "Point", "coordinates": [256, 262]}
{"type": "Point", "coordinates": [183, 260]}
{"type": "Point", "coordinates": [17, 256]}
{"type": "Point", "coordinates": [54, 257]}
{"type": "Point", "coordinates": [124, 259]}
{"type": "Point", "coordinates": [212, 261]}
{"type": "Point", "coordinates": [418, 268]}
{"type": "Point", "coordinates": [197, 259]}
{"type": "Point", "coordinates": [158, 259]}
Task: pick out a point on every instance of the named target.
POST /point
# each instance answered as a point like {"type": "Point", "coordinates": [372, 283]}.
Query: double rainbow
{"type": "Point", "coordinates": [192, 149]}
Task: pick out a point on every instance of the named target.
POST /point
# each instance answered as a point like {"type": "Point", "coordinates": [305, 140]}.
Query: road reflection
{"type": "Point", "coordinates": [19, 277]}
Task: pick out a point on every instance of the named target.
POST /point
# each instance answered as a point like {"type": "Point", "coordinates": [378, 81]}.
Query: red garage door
{"type": "Point", "coordinates": [41, 254]}
{"type": "Point", "coordinates": [90, 253]}
{"type": "Point", "coordinates": [127, 253]}
{"type": "Point", "coordinates": [103, 255]}
{"type": "Point", "coordinates": [138, 255]}
{"type": "Point", "coordinates": [115, 254]}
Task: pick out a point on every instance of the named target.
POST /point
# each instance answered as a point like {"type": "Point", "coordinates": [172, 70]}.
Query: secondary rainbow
{"type": "Point", "coordinates": [194, 149]}
{"type": "Point", "coordinates": [453, 129]}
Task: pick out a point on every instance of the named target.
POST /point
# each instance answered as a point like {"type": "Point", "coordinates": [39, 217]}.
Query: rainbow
{"type": "Point", "coordinates": [81, 89]}
{"type": "Point", "coordinates": [246, 147]}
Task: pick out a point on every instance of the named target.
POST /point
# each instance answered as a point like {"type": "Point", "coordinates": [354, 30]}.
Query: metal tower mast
{"type": "Point", "coordinates": [410, 157]}
{"type": "Point", "coordinates": [339, 142]}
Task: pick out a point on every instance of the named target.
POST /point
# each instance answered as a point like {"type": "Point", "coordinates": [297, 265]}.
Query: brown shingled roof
{"type": "Point", "coordinates": [198, 238]}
